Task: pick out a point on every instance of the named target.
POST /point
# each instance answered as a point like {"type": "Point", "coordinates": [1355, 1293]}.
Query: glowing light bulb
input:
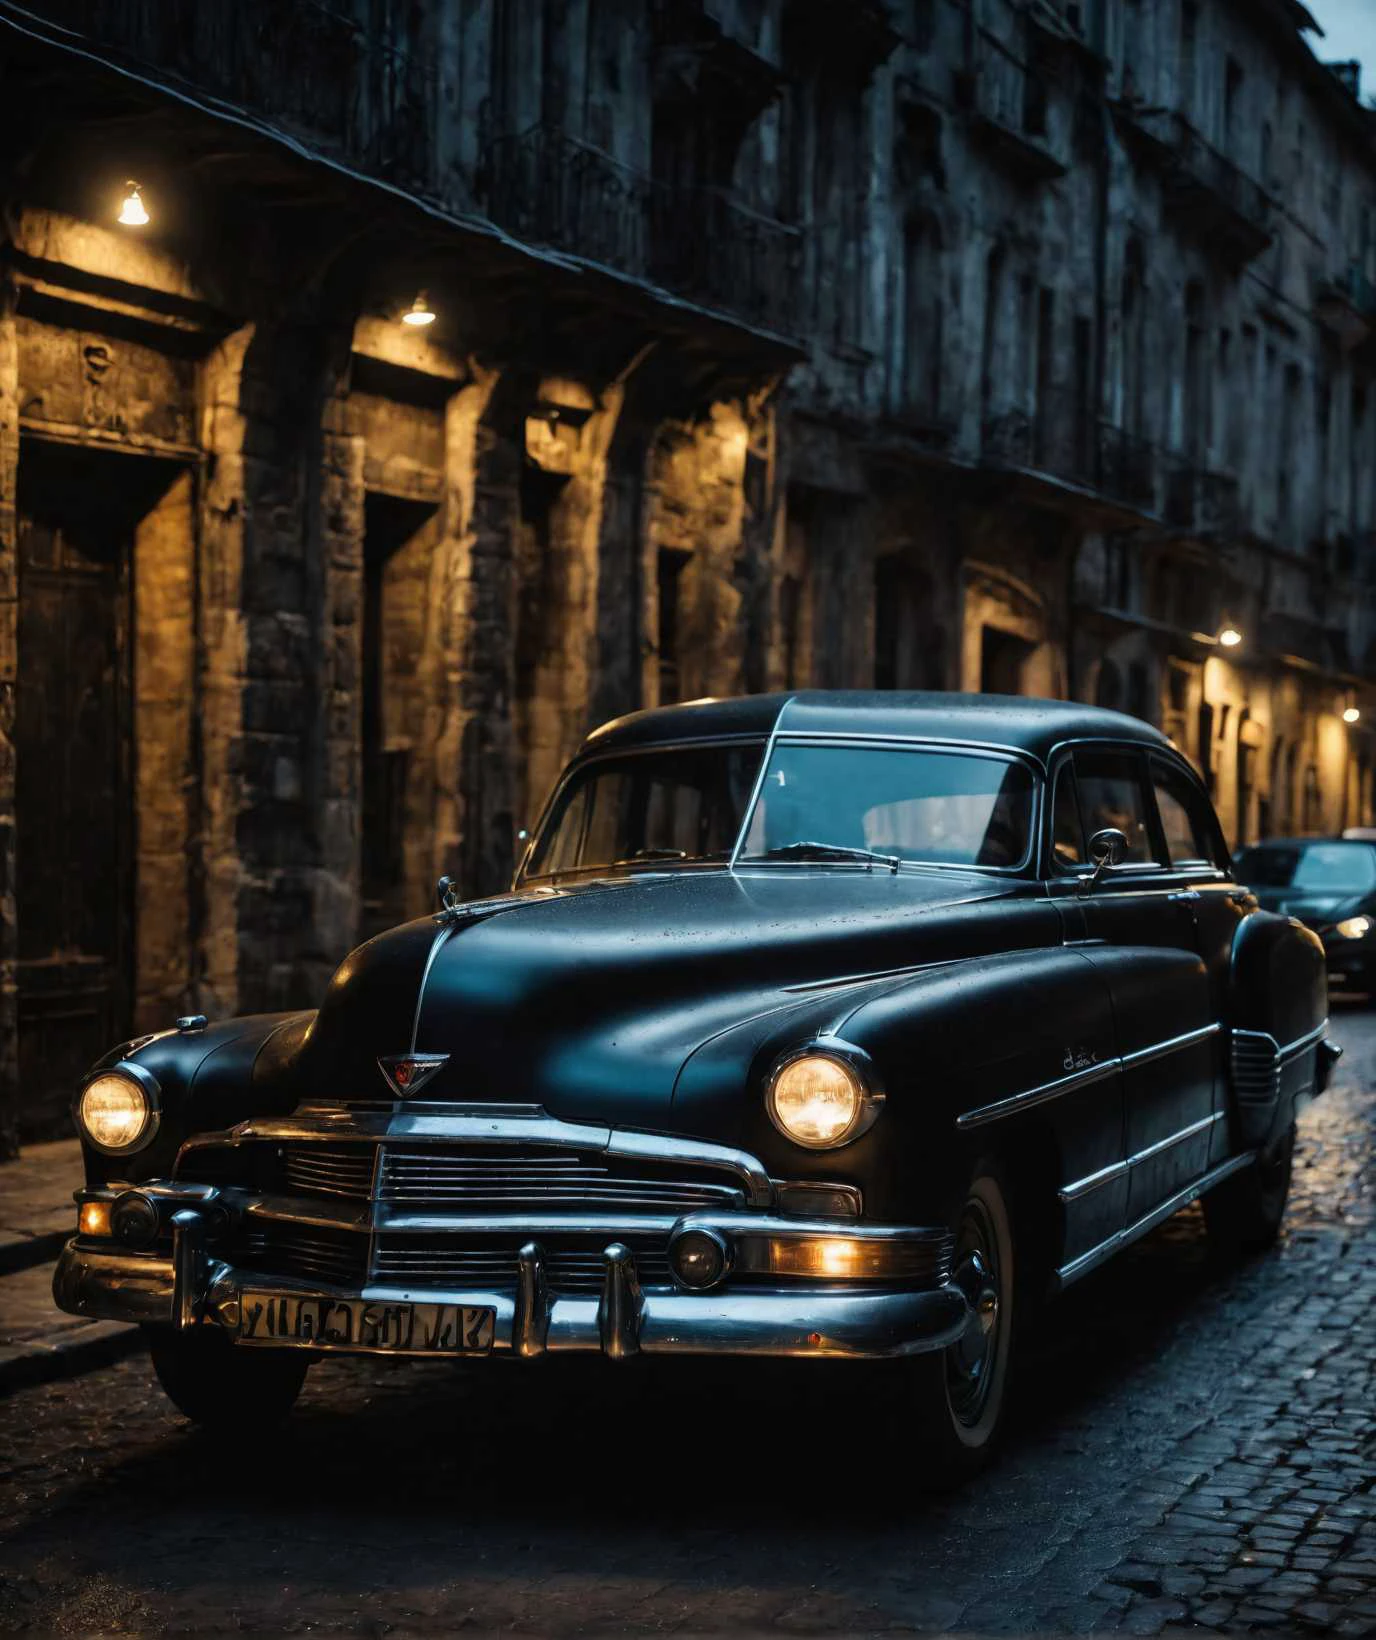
{"type": "Point", "coordinates": [1230, 637]}
{"type": "Point", "coordinates": [419, 313]}
{"type": "Point", "coordinates": [132, 212]}
{"type": "Point", "coordinates": [1352, 715]}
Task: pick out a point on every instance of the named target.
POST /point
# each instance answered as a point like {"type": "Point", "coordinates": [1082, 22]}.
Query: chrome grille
{"type": "Point", "coordinates": [330, 1170]}
{"type": "Point", "coordinates": [510, 1179]}
{"type": "Point", "coordinates": [1256, 1069]}
{"type": "Point", "coordinates": [306, 1252]}
{"type": "Point", "coordinates": [572, 1264]}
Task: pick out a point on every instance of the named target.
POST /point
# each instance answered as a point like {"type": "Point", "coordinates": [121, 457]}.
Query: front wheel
{"type": "Point", "coordinates": [955, 1399]}
{"type": "Point", "coordinates": [222, 1386]}
{"type": "Point", "coordinates": [1244, 1213]}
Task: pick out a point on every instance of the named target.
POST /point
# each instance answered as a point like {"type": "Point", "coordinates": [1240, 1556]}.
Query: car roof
{"type": "Point", "coordinates": [1035, 727]}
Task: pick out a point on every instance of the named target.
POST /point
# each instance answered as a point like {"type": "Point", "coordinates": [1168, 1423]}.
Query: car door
{"type": "Point", "coordinates": [1138, 925]}
{"type": "Point", "coordinates": [1198, 859]}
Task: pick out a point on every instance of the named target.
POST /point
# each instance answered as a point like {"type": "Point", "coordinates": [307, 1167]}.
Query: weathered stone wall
{"type": "Point", "coordinates": [9, 610]}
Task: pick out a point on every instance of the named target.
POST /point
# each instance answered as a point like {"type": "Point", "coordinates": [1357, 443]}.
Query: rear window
{"type": "Point", "coordinates": [1331, 868]}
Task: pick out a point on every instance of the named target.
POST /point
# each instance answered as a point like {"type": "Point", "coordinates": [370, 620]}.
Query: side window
{"type": "Point", "coordinates": [1067, 842]}
{"type": "Point", "coordinates": [1113, 793]}
{"type": "Point", "coordinates": [1185, 821]}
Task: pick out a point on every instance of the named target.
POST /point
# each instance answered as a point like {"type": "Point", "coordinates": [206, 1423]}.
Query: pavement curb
{"type": "Point", "coordinates": [66, 1354]}
{"type": "Point", "coordinates": [23, 1252]}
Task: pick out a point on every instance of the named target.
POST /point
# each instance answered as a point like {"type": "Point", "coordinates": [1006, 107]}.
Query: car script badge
{"type": "Point", "coordinates": [406, 1073]}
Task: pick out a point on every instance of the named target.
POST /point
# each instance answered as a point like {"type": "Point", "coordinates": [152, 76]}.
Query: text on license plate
{"type": "Point", "coordinates": [363, 1324]}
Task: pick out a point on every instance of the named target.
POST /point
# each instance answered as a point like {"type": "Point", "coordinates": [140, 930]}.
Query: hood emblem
{"type": "Point", "coordinates": [406, 1073]}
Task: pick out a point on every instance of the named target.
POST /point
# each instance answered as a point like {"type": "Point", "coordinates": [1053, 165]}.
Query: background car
{"type": "Point", "coordinates": [1329, 884]}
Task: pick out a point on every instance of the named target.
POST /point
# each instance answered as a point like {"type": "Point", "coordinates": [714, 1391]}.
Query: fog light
{"type": "Point", "coordinates": [134, 1220]}
{"type": "Point", "coordinates": [93, 1219]}
{"type": "Point", "coordinates": [700, 1259]}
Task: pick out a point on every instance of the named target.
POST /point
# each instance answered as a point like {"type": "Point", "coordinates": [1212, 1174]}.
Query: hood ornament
{"type": "Point", "coordinates": [407, 1073]}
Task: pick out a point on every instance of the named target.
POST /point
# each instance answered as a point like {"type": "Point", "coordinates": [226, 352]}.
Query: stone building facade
{"type": "Point", "coordinates": [1020, 345]}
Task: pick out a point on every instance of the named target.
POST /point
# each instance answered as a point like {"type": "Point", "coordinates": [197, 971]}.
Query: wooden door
{"type": "Point", "coordinates": [74, 785]}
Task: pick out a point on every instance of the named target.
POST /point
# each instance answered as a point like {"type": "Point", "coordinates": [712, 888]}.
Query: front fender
{"type": "Point", "coordinates": [945, 1041]}
{"type": "Point", "coordinates": [207, 1079]}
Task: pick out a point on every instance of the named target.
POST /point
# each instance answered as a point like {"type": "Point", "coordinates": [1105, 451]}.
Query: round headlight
{"type": "Point", "coordinates": [117, 1111]}
{"type": "Point", "coordinates": [817, 1100]}
{"type": "Point", "coordinates": [1353, 928]}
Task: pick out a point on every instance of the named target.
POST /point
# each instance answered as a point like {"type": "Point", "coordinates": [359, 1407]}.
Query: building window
{"type": "Point", "coordinates": [790, 624]}
{"type": "Point", "coordinates": [1232, 102]}
{"type": "Point", "coordinates": [1003, 661]}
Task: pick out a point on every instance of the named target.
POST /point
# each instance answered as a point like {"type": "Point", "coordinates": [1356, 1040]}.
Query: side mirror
{"type": "Point", "coordinates": [1107, 849]}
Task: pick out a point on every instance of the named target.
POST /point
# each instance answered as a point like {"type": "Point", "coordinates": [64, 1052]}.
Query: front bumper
{"type": "Point", "coordinates": [193, 1288]}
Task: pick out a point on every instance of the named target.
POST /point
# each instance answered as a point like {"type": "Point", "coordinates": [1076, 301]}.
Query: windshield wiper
{"type": "Point", "coordinates": [829, 851]}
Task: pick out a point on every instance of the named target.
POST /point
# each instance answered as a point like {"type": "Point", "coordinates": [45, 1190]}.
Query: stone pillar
{"type": "Point", "coordinates": [164, 699]}
{"type": "Point", "coordinates": [334, 558]}
{"type": "Point", "coordinates": [9, 614]}
{"type": "Point", "coordinates": [221, 667]}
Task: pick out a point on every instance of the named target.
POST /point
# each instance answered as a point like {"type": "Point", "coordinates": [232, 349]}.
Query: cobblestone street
{"type": "Point", "coordinates": [1194, 1446]}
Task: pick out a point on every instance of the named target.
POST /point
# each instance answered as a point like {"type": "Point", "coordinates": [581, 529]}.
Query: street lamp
{"type": "Point", "coordinates": [1230, 637]}
{"type": "Point", "coordinates": [132, 212]}
{"type": "Point", "coordinates": [1352, 714]}
{"type": "Point", "coordinates": [419, 313]}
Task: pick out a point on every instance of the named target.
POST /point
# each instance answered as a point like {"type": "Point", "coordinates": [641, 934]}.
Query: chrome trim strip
{"type": "Point", "coordinates": [1158, 1050]}
{"type": "Point", "coordinates": [1291, 1049]}
{"type": "Point", "coordinates": [1092, 1181]}
{"type": "Point", "coordinates": [1093, 1073]}
{"type": "Point", "coordinates": [1038, 1095]}
{"type": "Point", "coordinates": [1105, 1175]}
{"type": "Point", "coordinates": [748, 814]}
{"type": "Point", "coordinates": [1106, 1249]}
{"type": "Point", "coordinates": [435, 945]}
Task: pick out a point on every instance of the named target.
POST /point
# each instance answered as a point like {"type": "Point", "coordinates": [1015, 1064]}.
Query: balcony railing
{"type": "Point", "coordinates": [1010, 105]}
{"type": "Point", "coordinates": [1201, 501]}
{"type": "Point", "coordinates": [294, 64]}
{"type": "Point", "coordinates": [1127, 468]}
{"type": "Point", "coordinates": [702, 243]}
{"type": "Point", "coordinates": [1203, 186]}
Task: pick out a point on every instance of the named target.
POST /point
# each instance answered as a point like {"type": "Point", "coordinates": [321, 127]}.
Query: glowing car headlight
{"type": "Point", "coordinates": [118, 1110]}
{"type": "Point", "coordinates": [820, 1099]}
{"type": "Point", "coordinates": [1352, 928]}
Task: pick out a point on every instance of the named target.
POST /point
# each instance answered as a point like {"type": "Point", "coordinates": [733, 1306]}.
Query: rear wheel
{"type": "Point", "coordinates": [1244, 1213]}
{"type": "Point", "coordinates": [956, 1398]}
{"type": "Point", "coordinates": [223, 1386]}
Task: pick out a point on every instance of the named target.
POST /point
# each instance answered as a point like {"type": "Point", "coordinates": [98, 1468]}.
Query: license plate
{"type": "Point", "coordinates": [363, 1324]}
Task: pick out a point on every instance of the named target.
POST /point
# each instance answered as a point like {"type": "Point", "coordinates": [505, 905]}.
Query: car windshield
{"type": "Point", "coordinates": [663, 808]}
{"type": "Point", "coordinates": [1322, 868]}
{"type": "Point", "coordinates": [876, 805]}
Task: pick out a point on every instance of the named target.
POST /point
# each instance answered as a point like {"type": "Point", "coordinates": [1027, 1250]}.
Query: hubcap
{"type": "Point", "coordinates": [970, 1360]}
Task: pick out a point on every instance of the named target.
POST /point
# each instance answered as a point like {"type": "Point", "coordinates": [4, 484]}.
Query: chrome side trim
{"type": "Point", "coordinates": [1158, 1050]}
{"type": "Point", "coordinates": [1039, 1095]}
{"type": "Point", "coordinates": [1291, 1049]}
{"type": "Point", "coordinates": [1105, 1175]}
{"type": "Point", "coordinates": [1078, 1079]}
{"type": "Point", "coordinates": [1106, 1249]}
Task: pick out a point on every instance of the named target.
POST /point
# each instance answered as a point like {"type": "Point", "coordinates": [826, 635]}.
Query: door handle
{"type": "Point", "coordinates": [1185, 896]}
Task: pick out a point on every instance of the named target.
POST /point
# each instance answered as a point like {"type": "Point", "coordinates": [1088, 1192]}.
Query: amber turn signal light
{"type": "Point", "coordinates": [93, 1219]}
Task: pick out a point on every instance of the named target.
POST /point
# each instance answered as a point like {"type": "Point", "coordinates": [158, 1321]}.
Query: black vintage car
{"type": "Point", "coordinates": [827, 1025]}
{"type": "Point", "coordinates": [1329, 884]}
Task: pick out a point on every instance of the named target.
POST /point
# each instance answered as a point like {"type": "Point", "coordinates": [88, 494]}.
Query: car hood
{"type": "Point", "coordinates": [1317, 910]}
{"type": "Point", "coordinates": [588, 1000]}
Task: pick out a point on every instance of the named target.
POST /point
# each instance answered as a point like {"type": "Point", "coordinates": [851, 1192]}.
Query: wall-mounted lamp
{"type": "Point", "coordinates": [1352, 714]}
{"type": "Point", "coordinates": [132, 211]}
{"type": "Point", "coordinates": [419, 313]}
{"type": "Point", "coordinates": [1230, 637]}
